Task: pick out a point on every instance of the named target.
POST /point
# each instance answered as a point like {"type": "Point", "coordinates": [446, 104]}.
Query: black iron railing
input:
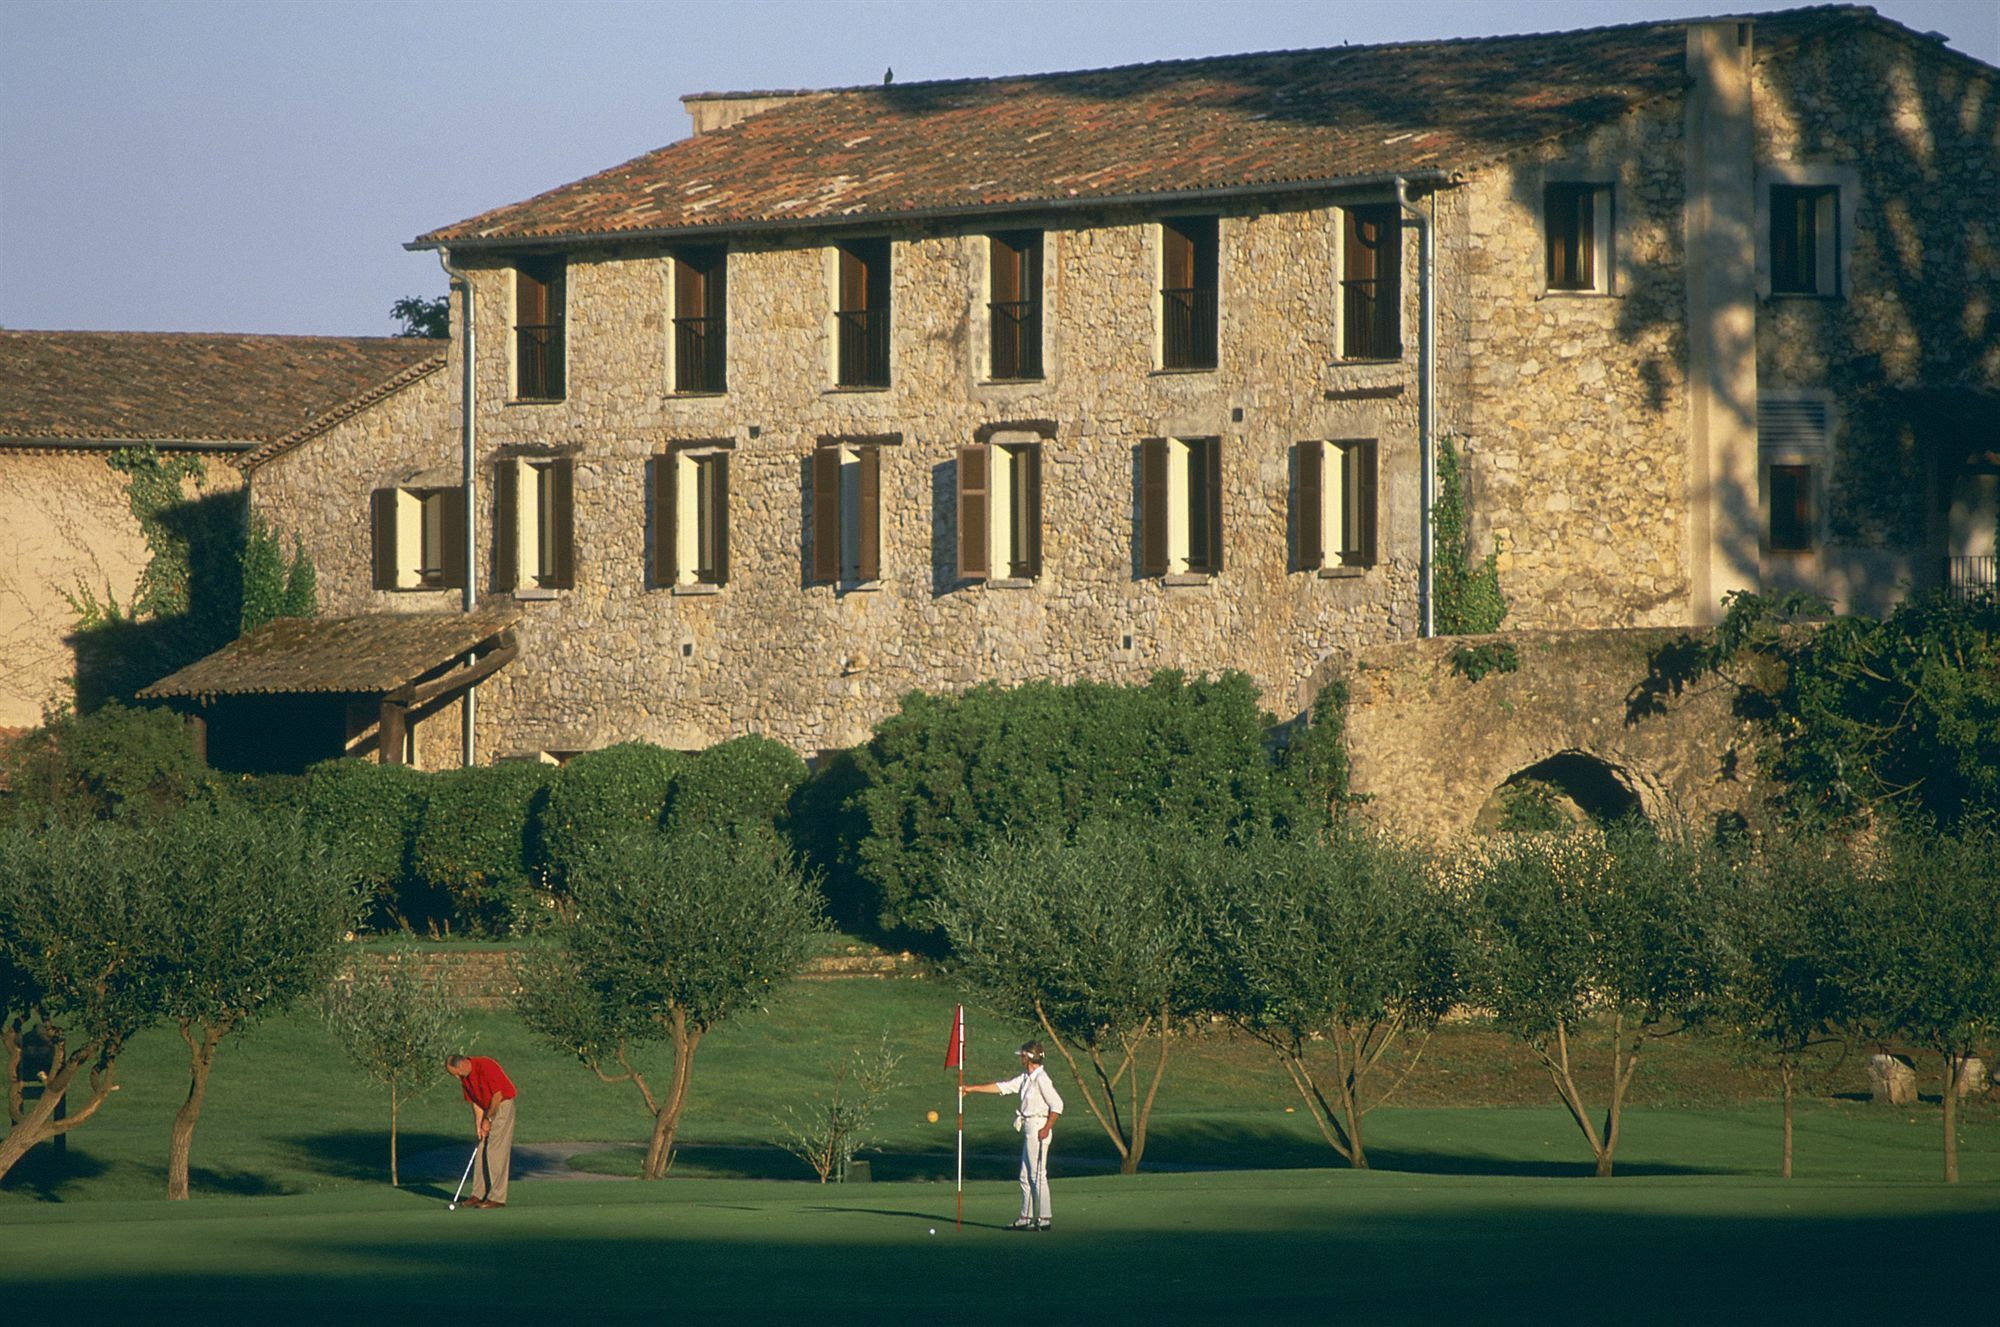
{"type": "Point", "coordinates": [538, 361]}
{"type": "Point", "coordinates": [1017, 338]}
{"type": "Point", "coordinates": [1188, 334]}
{"type": "Point", "coordinates": [1972, 577]}
{"type": "Point", "coordinates": [864, 347]}
{"type": "Point", "coordinates": [1367, 321]}
{"type": "Point", "coordinates": [700, 355]}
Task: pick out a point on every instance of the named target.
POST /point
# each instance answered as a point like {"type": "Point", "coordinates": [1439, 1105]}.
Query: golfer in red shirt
{"type": "Point", "coordinates": [491, 1093]}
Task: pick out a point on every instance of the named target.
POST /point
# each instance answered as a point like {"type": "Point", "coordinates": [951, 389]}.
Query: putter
{"type": "Point", "coordinates": [452, 1206]}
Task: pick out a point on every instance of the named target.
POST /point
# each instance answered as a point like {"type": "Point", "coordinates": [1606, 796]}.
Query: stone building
{"type": "Point", "coordinates": [866, 390]}
{"type": "Point", "coordinates": [70, 400]}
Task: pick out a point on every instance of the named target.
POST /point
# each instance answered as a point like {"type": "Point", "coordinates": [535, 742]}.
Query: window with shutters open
{"type": "Point", "coordinates": [861, 314]}
{"type": "Point", "coordinates": [1000, 511]}
{"type": "Point", "coordinates": [1180, 507]}
{"type": "Point", "coordinates": [701, 321]}
{"type": "Point", "coordinates": [539, 349]}
{"type": "Point", "coordinates": [1190, 272]}
{"type": "Point", "coordinates": [1014, 285]}
{"type": "Point", "coordinates": [691, 517]}
{"type": "Point", "coordinates": [1370, 265]}
{"type": "Point", "coordinates": [1576, 222]}
{"type": "Point", "coordinates": [533, 523]}
{"type": "Point", "coordinates": [419, 538]}
{"type": "Point", "coordinates": [1335, 506]}
{"type": "Point", "coordinates": [847, 514]}
{"type": "Point", "coordinates": [1804, 239]}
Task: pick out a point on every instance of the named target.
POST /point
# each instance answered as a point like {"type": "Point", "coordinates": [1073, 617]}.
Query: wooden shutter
{"type": "Point", "coordinates": [870, 474]}
{"type": "Point", "coordinates": [382, 523]}
{"type": "Point", "coordinates": [451, 521]}
{"type": "Point", "coordinates": [690, 293]}
{"type": "Point", "coordinates": [1031, 511]}
{"type": "Point", "coordinates": [1310, 498]}
{"type": "Point", "coordinates": [826, 515]}
{"type": "Point", "coordinates": [562, 523]}
{"type": "Point", "coordinates": [975, 514]}
{"type": "Point", "coordinates": [854, 281]}
{"type": "Point", "coordinates": [1363, 537]}
{"type": "Point", "coordinates": [1212, 458]}
{"type": "Point", "coordinates": [531, 298]}
{"type": "Point", "coordinates": [1153, 463]}
{"type": "Point", "coordinates": [721, 518]}
{"type": "Point", "coordinates": [506, 523]}
{"type": "Point", "coordinates": [1176, 258]}
{"type": "Point", "coordinates": [1006, 270]}
{"type": "Point", "coordinates": [666, 511]}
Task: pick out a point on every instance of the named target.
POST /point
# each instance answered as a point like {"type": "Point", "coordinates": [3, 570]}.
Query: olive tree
{"type": "Point", "coordinates": [397, 1025]}
{"type": "Point", "coordinates": [1592, 933]}
{"type": "Point", "coordinates": [251, 911]}
{"type": "Point", "coordinates": [666, 937]}
{"type": "Point", "coordinates": [1091, 938]}
{"type": "Point", "coordinates": [1337, 946]}
{"type": "Point", "coordinates": [77, 917]}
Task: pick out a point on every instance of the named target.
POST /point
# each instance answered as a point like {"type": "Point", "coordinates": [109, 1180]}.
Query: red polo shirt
{"type": "Point", "coordinates": [486, 1083]}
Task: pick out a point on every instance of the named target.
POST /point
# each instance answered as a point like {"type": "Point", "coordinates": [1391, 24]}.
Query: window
{"type": "Point", "coordinates": [1180, 506]}
{"type": "Point", "coordinates": [691, 517]}
{"type": "Point", "coordinates": [1805, 239]}
{"type": "Point", "coordinates": [538, 330]}
{"type": "Point", "coordinates": [1793, 434]}
{"type": "Point", "coordinates": [1188, 269]}
{"type": "Point", "coordinates": [701, 321]}
{"type": "Point", "coordinates": [1577, 223]}
{"type": "Point", "coordinates": [1791, 529]}
{"type": "Point", "coordinates": [1014, 281]}
{"type": "Point", "coordinates": [419, 538]}
{"type": "Point", "coordinates": [861, 315]}
{"type": "Point", "coordinates": [533, 523]}
{"type": "Point", "coordinates": [847, 513]}
{"type": "Point", "coordinates": [1370, 263]}
{"type": "Point", "coordinates": [1000, 511]}
{"type": "Point", "coordinates": [1336, 497]}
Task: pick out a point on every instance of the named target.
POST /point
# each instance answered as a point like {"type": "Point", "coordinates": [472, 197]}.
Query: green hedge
{"type": "Point", "coordinates": [114, 763]}
{"type": "Point", "coordinates": [604, 795]}
{"type": "Point", "coordinates": [742, 787]}
{"type": "Point", "coordinates": [478, 841]}
{"type": "Point", "coordinates": [371, 810]}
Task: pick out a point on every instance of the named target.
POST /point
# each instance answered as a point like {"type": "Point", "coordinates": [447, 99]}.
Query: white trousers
{"type": "Point", "coordinates": [1034, 1169]}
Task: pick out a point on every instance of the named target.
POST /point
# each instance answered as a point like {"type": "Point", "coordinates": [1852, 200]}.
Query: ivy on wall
{"type": "Point", "coordinates": [1467, 598]}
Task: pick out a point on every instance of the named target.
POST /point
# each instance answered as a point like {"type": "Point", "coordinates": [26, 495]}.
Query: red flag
{"type": "Point", "coordinates": [954, 1054]}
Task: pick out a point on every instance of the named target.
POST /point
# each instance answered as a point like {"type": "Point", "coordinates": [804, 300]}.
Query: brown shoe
{"type": "Point", "coordinates": [474, 1202]}
{"type": "Point", "coordinates": [492, 1205]}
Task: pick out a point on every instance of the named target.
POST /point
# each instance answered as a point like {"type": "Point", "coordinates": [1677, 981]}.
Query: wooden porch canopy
{"type": "Point", "coordinates": [409, 660]}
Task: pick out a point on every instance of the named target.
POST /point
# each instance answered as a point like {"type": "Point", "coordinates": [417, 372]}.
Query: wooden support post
{"type": "Point", "coordinates": [389, 733]}
{"type": "Point", "coordinates": [198, 732]}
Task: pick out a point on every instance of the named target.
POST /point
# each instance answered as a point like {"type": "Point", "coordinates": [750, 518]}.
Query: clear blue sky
{"type": "Point", "coordinates": [223, 165]}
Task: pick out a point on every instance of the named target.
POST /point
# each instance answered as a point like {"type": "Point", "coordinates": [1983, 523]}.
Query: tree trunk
{"type": "Point", "coordinates": [395, 1182]}
{"type": "Point", "coordinates": [1785, 1074]}
{"type": "Point", "coordinates": [45, 1121]}
{"type": "Point", "coordinates": [1951, 1063]}
{"type": "Point", "coordinates": [667, 1123]}
{"type": "Point", "coordinates": [180, 1142]}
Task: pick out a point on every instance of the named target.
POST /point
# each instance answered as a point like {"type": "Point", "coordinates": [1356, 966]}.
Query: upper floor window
{"type": "Point", "coordinates": [1805, 239]}
{"type": "Point", "coordinates": [1000, 511]}
{"type": "Point", "coordinates": [1370, 263]}
{"type": "Point", "coordinates": [691, 516]}
{"type": "Point", "coordinates": [1189, 264]}
{"type": "Point", "coordinates": [1180, 506]}
{"type": "Point", "coordinates": [419, 538]}
{"type": "Point", "coordinates": [1577, 226]}
{"type": "Point", "coordinates": [1014, 281]}
{"type": "Point", "coordinates": [1336, 505]}
{"type": "Point", "coordinates": [701, 320]}
{"type": "Point", "coordinates": [1794, 431]}
{"type": "Point", "coordinates": [533, 523]}
{"type": "Point", "coordinates": [861, 315]}
{"type": "Point", "coordinates": [847, 513]}
{"type": "Point", "coordinates": [538, 330]}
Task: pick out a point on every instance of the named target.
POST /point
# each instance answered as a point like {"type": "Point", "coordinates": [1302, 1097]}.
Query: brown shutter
{"type": "Point", "coordinates": [1364, 503]}
{"type": "Point", "coordinates": [1310, 553]}
{"type": "Point", "coordinates": [871, 514]}
{"type": "Point", "coordinates": [506, 522]}
{"type": "Point", "coordinates": [452, 523]}
{"type": "Point", "coordinates": [690, 300]}
{"type": "Point", "coordinates": [1153, 507]}
{"type": "Point", "coordinates": [853, 281]}
{"type": "Point", "coordinates": [382, 522]}
{"type": "Point", "coordinates": [721, 517]}
{"type": "Point", "coordinates": [1031, 514]}
{"type": "Point", "coordinates": [1213, 459]}
{"type": "Point", "coordinates": [562, 523]}
{"type": "Point", "coordinates": [826, 516]}
{"type": "Point", "coordinates": [666, 509]}
{"type": "Point", "coordinates": [531, 299]}
{"type": "Point", "coordinates": [1006, 270]}
{"type": "Point", "coordinates": [1176, 258]}
{"type": "Point", "coordinates": [975, 514]}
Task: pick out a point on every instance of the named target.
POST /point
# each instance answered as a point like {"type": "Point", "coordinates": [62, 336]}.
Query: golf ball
{"type": "Point", "coordinates": [933, 1230]}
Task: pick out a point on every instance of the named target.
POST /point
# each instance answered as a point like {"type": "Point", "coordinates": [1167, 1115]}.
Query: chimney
{"type": "Point", "coordinates": [718, 110]}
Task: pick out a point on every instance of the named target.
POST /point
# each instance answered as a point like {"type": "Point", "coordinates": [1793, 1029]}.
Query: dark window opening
{"type": "Point", "coordinates": [1791, 509]}
{"type": "Point", "coordinates": [538, 330]}
{"type": "Point", "coordinates": [701, 310]}
{"type": "Point", "coordinates": [1189, 264]}
{"type": "Point", "coordinates": [1803, 239]}
{"type": "Point", "coordinates": [1570, 212]}
{"type": "Point", "coordinates": [1016, 305]}
{"type": "Point", "coordinates": [862, 314]}
{"type": "Point", "coordinates": [1370, 262]}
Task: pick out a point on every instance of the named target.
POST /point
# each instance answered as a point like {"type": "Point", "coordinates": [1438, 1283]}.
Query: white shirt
{"type": "Point", "coordinates": [1039, 1098]}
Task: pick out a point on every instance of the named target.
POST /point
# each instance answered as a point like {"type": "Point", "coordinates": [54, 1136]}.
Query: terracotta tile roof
{"type": "Point", "coordinates": [163, 387]}
{"type": "Point", "coordinates": [366, 652]}
{"type": "Point", "coordinates": [1276, 120]}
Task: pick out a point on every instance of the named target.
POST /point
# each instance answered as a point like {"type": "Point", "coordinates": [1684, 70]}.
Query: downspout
{"type": "Point", "coordinates": [468, 460]}
{"type": "Point", "coordinates": [1426, 403]}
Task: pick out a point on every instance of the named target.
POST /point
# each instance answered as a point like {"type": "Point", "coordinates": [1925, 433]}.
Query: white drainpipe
{"type": "Point", "coordinates": [1426, 402]}
{"type": "Point", "coordinates": [468, 460]}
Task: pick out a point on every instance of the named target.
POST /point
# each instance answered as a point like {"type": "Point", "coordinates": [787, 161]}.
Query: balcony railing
{"type": "Point", "coordinates": [1017, 338]}
{"type": "Point", "coordinates": [1188, 334]}
{"type": "Point", "coordinates": [1972, 577]}
{"type": "Point", "coordinates": [700, 355]}
{"type": "Point", "coordinates": [1367, 325]}
{"type": "Point", "coordinates": [864, 347]}
{"type": "Point", "coordinates": [538, 361]}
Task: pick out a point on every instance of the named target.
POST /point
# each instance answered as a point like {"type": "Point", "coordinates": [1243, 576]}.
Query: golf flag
{"type": "Point", "coordinates": [954, 1054]}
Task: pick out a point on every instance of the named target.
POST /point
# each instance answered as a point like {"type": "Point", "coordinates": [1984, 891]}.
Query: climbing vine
{"type": "Point", "coordinates": [1468, 598]}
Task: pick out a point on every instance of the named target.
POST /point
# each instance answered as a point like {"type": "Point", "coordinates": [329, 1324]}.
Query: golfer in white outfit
{"type": "Point", "coordinates": [1035, 1117]}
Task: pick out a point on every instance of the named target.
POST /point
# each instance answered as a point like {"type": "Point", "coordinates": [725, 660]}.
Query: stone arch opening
{"type": "Point", "coordinates": [1567, 789]}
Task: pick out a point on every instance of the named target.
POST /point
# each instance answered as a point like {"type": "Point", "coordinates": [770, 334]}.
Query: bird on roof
{"type": "Point", "coordinates": [888, 76]}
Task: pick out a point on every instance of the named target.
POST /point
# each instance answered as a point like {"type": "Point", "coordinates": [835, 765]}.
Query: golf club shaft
{"type": "Point", "coordinates": [469, 1163]}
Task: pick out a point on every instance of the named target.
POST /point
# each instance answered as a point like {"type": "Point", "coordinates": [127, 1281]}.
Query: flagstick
{"type": "Point", "coordinates": [959, 1222]}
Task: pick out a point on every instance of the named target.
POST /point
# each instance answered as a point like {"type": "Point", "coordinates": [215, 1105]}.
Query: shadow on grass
{"type": "Point", "coordinates": [44, 1173]}
{"type": "Point", "coordinates": [359, 1154]}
